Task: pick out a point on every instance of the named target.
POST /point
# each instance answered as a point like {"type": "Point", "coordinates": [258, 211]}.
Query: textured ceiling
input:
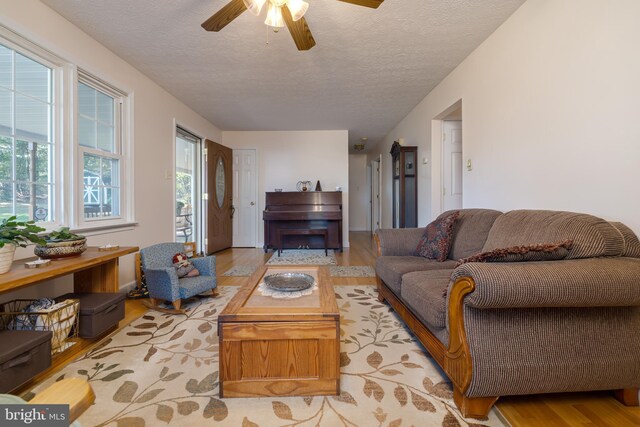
{"type": "Point", "coordinates": [368, 70]}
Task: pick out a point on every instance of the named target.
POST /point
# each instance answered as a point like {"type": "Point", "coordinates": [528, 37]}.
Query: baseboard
{"type": "Point", "coordinates": [128, 287]}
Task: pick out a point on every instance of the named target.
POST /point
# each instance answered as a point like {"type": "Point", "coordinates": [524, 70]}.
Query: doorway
{"type": "Point", "coordinates": [451, 164]}
{"type": "Point", "coordinates": [245, 198]}
{"type": "Point", "coordinates": [376, 213]}
{"type": "Point", "coordinates": [447, 180]}
{"type": "Point", "coordinates": [218, 197]}
{"type": "Point", "coordinates": [187, 186]}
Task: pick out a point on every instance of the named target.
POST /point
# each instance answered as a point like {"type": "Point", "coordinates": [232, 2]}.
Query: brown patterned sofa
{"type": "Point", "coordinates": [512, 328]}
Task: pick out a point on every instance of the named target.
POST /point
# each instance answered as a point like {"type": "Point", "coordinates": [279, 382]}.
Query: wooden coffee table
{"type": "Point", "coordinates": [280, 347]}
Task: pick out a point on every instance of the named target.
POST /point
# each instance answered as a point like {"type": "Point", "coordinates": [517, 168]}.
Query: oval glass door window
{"type": "Point", "coordinates": [220, 184]}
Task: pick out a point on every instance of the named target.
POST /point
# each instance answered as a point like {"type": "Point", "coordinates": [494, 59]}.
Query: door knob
{"type": "Point", "coordinates": [252, 203]}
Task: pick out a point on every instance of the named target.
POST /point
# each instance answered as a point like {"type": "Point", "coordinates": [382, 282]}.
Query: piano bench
{"type": "Point", "coordinates": [302, 232]}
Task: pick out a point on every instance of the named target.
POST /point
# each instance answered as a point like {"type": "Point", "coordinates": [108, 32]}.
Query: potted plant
{"type": "Point", "coordinates": [16, 233]}
{"type": "Point", "coordinates": [61, 243]}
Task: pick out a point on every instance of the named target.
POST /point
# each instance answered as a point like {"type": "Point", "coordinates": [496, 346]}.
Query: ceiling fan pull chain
{"type": "Point", "coordinates": [267, 34]}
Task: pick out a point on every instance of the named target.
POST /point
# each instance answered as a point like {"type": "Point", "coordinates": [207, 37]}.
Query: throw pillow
{"type": "Point", "coordinates": [538, 252]}
{"type": "Point", "coordinates": [436, 240]}
{"type": "Point", "coordinates": [184, 267]}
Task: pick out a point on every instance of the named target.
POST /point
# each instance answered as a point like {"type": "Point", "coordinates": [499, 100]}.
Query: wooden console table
{"type": "Point", "coordinates": [93, 271]}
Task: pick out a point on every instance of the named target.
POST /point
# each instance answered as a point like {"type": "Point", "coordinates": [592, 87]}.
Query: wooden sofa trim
{"type": "Point", "coordinates": [455, 361]}
{"type": "Point", "coordinates": [428, 340]}
{"type": "Point", "coordinates": [376, 240]}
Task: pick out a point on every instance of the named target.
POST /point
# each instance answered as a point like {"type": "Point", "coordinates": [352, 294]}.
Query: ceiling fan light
{"type": "Point", "coordinates": [254, 6]}
{"type": "Point", "coordinates": [274, 17]}
{"type": "Point", "coordinates": [298, 8]}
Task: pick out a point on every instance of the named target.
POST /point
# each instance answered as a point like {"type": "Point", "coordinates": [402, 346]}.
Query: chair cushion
{"type": "Point", "coordinates": [592, 236]}
{"type": "Point", "coordinates": [190, 286]}
{"type": "Point", "coordinates": [631, 242]}
{"type": "Point", "coordinates": [471, 231]}
{"type": "Point", "coordinates": [391, 268]}
{"type": "Point", "coordinates": [422, 292]}
{"type": "Point", "coordinates": [437, 237]}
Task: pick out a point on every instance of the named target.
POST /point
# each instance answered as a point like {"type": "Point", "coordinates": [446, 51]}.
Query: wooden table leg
{"type": "Point", "coordinates": [325, 237]}
{"type": "Point", "coordinates": [101, 278]}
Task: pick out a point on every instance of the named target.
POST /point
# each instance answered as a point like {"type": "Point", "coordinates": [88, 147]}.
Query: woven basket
{"type": "Point", "coordinates": [61, 321]}
{"type": "Point", "coordinates": [64, 249]}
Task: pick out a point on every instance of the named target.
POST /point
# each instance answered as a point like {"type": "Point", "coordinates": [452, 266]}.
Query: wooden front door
{"type": "Point", "coordinates": [218, 189]}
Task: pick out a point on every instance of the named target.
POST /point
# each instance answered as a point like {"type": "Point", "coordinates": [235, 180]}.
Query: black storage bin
{"type": "Point", "coordinates": [23, 355]}
{"type": "Point", "coordinates": [98, 311]}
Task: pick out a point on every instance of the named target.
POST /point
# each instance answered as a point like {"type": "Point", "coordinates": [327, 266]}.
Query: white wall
{"type": "Point", "coordinates": [286, 157]}
{"type": "Point", "coordinates": [550, 114]}
{"type": "Point", "coordinates": [155, 113]}
{"type": "Point", "coordinates": [359, 193]}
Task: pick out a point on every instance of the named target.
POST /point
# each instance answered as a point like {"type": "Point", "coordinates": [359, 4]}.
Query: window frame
{"type": "Point", "coordinates": [59, 80]}
{"type": "Point", "coordinates": [122, 153]}
{"type": "Point", "coordinates": [67, 193]}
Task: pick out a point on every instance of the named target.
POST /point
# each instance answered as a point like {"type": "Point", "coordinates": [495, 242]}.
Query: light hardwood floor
{"type": "Point", "coordinates": [571, 409]}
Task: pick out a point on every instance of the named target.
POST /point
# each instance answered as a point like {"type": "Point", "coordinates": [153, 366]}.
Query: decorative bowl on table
{"type": "Point", "coordinates": [61, 243]}
{"type": "Point", "coordinates": [63, 249]}
{"type": "Point", "coordinates": [289, 282]}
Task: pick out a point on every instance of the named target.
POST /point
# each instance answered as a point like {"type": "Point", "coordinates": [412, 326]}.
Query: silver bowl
{"type": "Point", "coordinates": [289, 282]}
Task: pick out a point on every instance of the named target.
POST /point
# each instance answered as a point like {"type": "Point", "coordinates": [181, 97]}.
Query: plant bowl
{"type": "Point", "coordinates": [61, 249]}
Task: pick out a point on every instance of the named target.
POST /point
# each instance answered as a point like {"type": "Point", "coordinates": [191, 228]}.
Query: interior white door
{"type": "Point", "coordinates": [370, 199]}
{"type": "Point", "coordinates": [245, 198]}
{"type": "Point", "coordinates": [452, 165]}
{"type": "Point", "coordinates": [375, 195]}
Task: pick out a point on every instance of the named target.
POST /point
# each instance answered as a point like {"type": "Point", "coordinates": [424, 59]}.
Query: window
{"type": "Point", "coordinates": [187, 175]}
{"type": "Point", "coordinates": [64, 141]}
{"type": "Point", "coordinates": [100, 148]}
{"type": "Point", "coordinates": [27, 147]}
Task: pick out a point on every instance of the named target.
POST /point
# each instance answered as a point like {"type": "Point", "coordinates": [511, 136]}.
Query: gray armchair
{"type": "Point", "coordinates": [162, 280]}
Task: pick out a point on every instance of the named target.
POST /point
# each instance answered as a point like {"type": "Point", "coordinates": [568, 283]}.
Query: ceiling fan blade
{"type": "Point", "coordinates": [367, 3]}
{"type": "Point", "coordinates": [224, 16]}
{"type": "Point", "coordinates": [299, 30]}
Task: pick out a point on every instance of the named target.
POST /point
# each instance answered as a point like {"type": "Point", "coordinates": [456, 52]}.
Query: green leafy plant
{"type": "Point", "coordinates": [20, 233]}
{"type": "Point", "coordinates": [62, 235]}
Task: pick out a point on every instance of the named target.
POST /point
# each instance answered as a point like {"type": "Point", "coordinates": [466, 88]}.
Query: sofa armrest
{"type": "Point", "coordinates": [589, 282]}
{"type": "Point", "coordinates": [205, 265]}
{"type": "Point", "coordinates": [398, 241]}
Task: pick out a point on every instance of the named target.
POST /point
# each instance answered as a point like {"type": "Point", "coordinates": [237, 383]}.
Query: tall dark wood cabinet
{"type": "Point", "coordinates": [405, 186]}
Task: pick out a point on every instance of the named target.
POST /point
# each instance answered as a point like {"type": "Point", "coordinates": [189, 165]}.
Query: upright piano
{"type": "Point", "coordinates": [303, 210]}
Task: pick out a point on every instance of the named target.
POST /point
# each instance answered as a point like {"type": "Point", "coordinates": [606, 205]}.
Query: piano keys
{"type": "Point", "coordinates": [303, 210]}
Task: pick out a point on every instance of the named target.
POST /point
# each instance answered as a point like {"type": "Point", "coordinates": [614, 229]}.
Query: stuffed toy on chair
{"type": "Point", "coordinates": [184, 268]}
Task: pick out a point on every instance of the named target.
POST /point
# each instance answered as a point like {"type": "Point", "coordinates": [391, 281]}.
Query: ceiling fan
{"type": "Point", "coordinates": [279, 13]}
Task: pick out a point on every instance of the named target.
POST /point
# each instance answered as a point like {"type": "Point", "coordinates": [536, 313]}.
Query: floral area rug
{"type": "Point", "coordinates": [303, 257]}
{"type": "Point", "coordinates": [241, 270]}
{"type": "Point", "coordinates": [163, 370]}
{"type": "Point", "coordinates": [352, 271]}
